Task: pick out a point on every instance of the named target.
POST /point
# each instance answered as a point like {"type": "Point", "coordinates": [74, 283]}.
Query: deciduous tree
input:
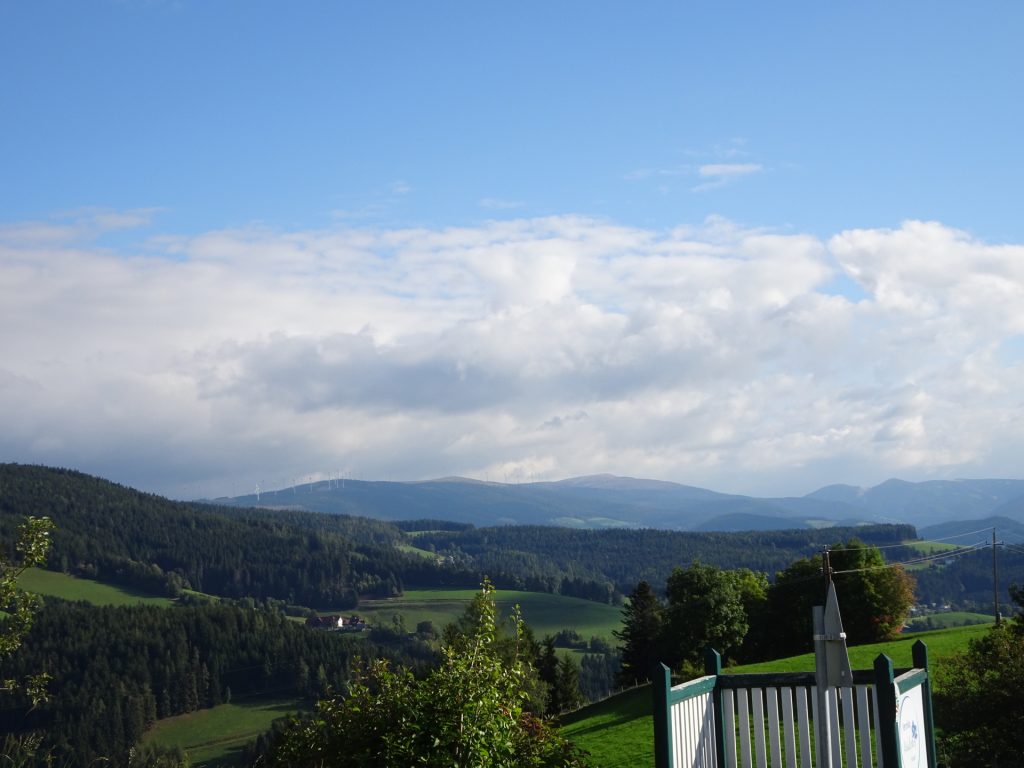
{"type": "Point", "coordinates": [979, 697]}
{"type": "Point", "coordinates": [874, 597]}
{"type": "Point", "coordinates": [705, 608]}
{"type": "Point", "coordinates": [469, 712]}
{"type": "Point", "coordinates": [29, 551]}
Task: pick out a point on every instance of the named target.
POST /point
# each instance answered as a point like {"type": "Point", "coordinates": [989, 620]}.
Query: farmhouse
{"type": "Point", "coordinates": [337, 623]}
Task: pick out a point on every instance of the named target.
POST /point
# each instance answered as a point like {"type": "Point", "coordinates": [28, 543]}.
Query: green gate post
{"type": "Point", "coordinates": [713, 666]}
{"type": "Point", "coordinates": [885, 693]}
{"type": "Point", "coordinates": [919, 653]}
{"type": "Point", "coordinates": [661, 689]}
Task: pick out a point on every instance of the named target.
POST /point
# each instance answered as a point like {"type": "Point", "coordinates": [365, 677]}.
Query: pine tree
{"type": "Point", "coordinates": [640, 636]}
{"type": "Point", "coordinates": [567, 682]}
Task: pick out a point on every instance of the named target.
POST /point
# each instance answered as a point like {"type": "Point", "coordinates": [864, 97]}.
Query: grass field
{"type": "Point", "coordinates": [426, 554]}
{"type": "Point", "coordinates": [949, 619]}
{"type": "Point", "coordinates": [70, 588]}
{"type": "Point", "coordinates": [941, 644]}
{"type": "Point", "coordinates": [619, 731]}
{"type": "Point", "coordinates": [215, 737]}
{"type": "Point", "coordinates": [930, 547]}
{"type": "Point", "coordinates": [546, 614]}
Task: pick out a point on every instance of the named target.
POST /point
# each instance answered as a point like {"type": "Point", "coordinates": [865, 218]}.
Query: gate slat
{"type": "Point", "coordinates": [774, 743]}
{"type": "Point", "coordinates": [804, 726]}
{"type": "Point", "coordinates": [757, 696]}
{"type": "Point", "coordinates": [677, 734]}
{"type": "Point", "coordinates": [814, 717]}
{"type": "Point", "coordinates": [833, 708]}
{"type": "Point", "coordinates": [692, 735]}
{"type": "Point", "coordinates": [729, 702]}
{"type": "Point", "coordinates": [709, 732]}
{"type": "Point", "coordinates": [878, 726]}
{"type": "Point", "coordinates": [850, 727]}
{"type": "Point", "coordinates": [787, 719]}
{"type": "Point", "coordinates": [864, 725]}
{"type": "Point", "coordinates": [741, 698]}
{"type": "Point", "coordinates": [687, 732]}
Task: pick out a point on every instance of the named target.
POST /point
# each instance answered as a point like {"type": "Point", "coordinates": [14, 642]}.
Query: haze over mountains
{"type": "Point", "coordinates": [602, 501]}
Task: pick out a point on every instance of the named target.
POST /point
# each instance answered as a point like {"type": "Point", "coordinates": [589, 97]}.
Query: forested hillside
{"type": "Point", "coordinates": [116, 670]}
{"type": "Point", "coordinates": [123, 536]}
{"type": "Point", "coordinates": [625, 557]}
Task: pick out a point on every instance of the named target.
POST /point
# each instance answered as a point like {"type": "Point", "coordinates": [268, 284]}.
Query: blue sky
{"type": "Point", "coordinates": [231, 199]}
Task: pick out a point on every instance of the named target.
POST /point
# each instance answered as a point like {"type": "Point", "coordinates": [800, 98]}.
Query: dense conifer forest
{"type": "Point", "coordinates": [115, 670]}
{"type": "Point", "coordinates": [625, 557]}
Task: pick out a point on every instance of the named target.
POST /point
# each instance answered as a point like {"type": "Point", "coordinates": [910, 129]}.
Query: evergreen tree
{"type": "Point", "coordinates": [547, 671]}
{"type": "Point", "coordinates": [640, 636]}
{"type": "Point", "coordinates": [567, 683]}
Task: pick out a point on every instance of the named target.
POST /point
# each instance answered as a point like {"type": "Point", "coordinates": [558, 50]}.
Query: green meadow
{"type": "Point", "coordinates": [546, 614]}
{"type": "Point", "coordinates": [617, 732]}
{"type": "Point", "coordinates": [216, 737]}
{"type": "Point", "coordinates": [949, 619]}
{"type": "Point", "coordinates": [930, 547]}
{"type": "Point", "coordinates": [68, 587]}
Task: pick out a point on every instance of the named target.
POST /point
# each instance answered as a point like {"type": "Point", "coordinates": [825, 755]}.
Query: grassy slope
{"type": "Point", "coordinates": [70, 588]}
{"type": "Point", "coordinates": [930, 547]}
{"type": "Point", "coordinates": [950, 619]}
{"type": "Point", "coordinates": [620, 731]}
{"type": "Point", "coordinates": [546, 614]}
{"type": "Point", "coordinates": [216, 736]}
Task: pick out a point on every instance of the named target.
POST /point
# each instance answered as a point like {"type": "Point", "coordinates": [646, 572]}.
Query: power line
{"type": "Point", "coordinates": [959, 535]}
{"type": "Point", "coordinates": [872, 546]}
{"type": "Point", "coordinates": [923, 559]}
{"type": "Point", "coordinates": [912, 543]}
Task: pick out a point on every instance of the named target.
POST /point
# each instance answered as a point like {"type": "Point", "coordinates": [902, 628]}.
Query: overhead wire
{"type": "Point", "coordinates": [960, 535]}
{"type": "Point", "coordinates": [916, 541]}
{"type": "Point", "coordinates": [924, 559]}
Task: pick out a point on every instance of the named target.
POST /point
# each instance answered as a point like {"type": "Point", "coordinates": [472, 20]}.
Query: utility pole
{"type": "Point", "coordinates": [826, 568]}
{"type": "Point", "coordinates": [995, 577]}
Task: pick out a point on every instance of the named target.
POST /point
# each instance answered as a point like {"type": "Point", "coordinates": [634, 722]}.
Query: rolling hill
{"type": "Point", "coordinates": [607, 501]}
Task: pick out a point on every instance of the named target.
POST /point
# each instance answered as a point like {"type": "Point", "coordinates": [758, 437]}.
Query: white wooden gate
{"type": "Point", "coordinates": [762, 720]}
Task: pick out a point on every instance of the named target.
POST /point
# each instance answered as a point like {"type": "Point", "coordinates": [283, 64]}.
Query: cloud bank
{"type": "Point", "coordinates": [738, 359]}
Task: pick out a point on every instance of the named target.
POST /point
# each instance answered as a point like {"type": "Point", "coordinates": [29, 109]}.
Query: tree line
{"type": "Point", "coordinates": [615, 560]}
{"type": "Point", "coordinates": [746, 618]}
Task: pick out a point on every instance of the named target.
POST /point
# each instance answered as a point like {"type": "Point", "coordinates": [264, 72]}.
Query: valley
{"type": "Point", "coordinates": [133, 576]}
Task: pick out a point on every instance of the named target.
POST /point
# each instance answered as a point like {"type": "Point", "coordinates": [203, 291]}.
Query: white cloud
{"type": "Point", "coordinates": [400, 188]}
{"type": "Point", "coordinates": [720, 174]}
{"type": "Point", "coordinates": [545, 347]}
{"type": "Point", "coordinates": [497, 204]}
{"type": "Point", "coordinates": [715, 170]}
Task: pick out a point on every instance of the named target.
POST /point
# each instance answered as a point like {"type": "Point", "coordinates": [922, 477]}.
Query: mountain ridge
{"type": "Point", "coordinates": [606, 500]}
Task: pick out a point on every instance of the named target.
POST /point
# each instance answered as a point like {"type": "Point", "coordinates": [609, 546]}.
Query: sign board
{"type": "Point", "coordinates": [910, 726]}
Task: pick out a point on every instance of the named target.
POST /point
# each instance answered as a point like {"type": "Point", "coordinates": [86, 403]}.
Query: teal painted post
{"type": "Point", "coordinates": [713, 666]}
{"type": "Point", "coordinates": [919, 653]}
{"type": "Point", "coordinates": [885, 692]}
{"type": "Point", "coordinates": [661, 688]}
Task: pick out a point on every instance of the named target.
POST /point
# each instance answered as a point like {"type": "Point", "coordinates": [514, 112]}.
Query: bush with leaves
{"type": "Point", "coordinates": [979, 697]}
{"type": "Point", "coordinates": [29, 552]}
{"type": "Point", "coordinates": [468, 712]}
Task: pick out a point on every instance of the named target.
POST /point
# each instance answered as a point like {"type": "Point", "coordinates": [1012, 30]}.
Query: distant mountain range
{"type": "Point", "coordinates": [606, 501]}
